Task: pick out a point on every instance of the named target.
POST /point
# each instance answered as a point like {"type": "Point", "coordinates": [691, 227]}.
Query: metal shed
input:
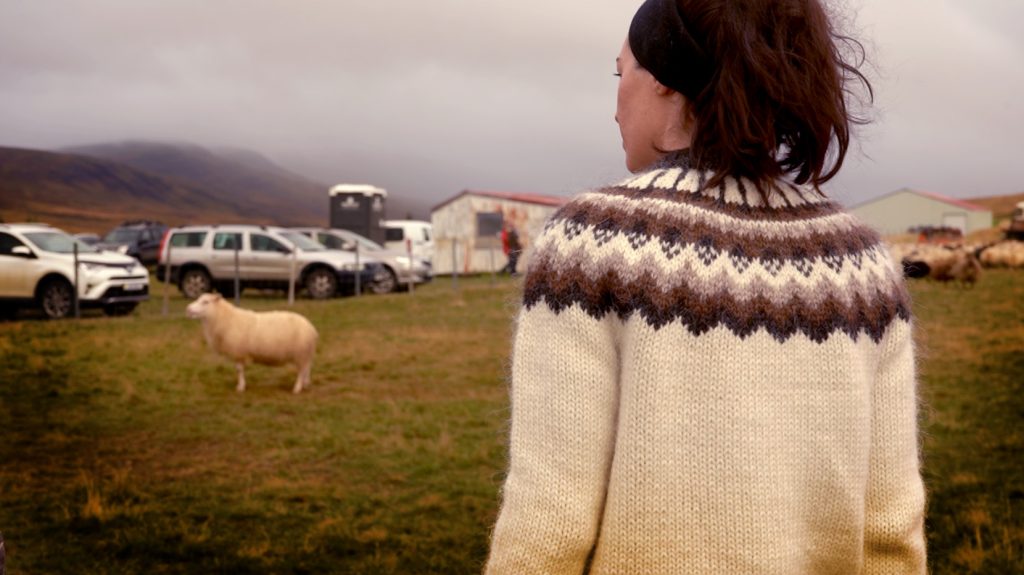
{"type": "Point", "coordinates": [467, 228]}
{"type": "Point", "coordinates": [897, 212]}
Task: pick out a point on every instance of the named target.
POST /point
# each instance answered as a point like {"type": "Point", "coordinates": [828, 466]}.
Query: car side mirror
{"type": "Point", "coordinates": [348, 246]}
{"type": "Point", "coordinates": [22, 252]}
{"type": "Point", "coordinates": [284, 250]}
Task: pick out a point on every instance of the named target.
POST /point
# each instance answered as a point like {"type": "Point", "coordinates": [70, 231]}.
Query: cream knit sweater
{"type": "Point", "coordinates": [702, 383]}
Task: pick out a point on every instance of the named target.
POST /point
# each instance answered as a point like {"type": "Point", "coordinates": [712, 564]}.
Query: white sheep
{"type": "Point", "coordinates": [1008, 254]}
{"type": "Point", "coordinates": [945, 263]}
{"type": "Point", "coordinates": [270, 338]}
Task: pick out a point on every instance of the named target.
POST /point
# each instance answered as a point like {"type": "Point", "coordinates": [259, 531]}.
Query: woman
{"type": "Point", "coordinates": [713, 370]}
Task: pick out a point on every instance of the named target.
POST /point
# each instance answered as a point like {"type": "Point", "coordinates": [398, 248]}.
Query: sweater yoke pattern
{"type": "Point", "coordinates": [666, 247]}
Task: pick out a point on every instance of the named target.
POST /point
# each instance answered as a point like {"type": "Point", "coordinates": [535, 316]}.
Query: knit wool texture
{"type": "Point", "coordinates": [706, 382]}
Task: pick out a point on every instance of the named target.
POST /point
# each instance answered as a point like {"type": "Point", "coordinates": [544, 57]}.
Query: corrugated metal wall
{"type": "Point", "coordinates": [456, 223]}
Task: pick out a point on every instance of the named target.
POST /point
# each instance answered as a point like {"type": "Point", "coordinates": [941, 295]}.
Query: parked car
{"type": "Point", "coordinates": [137, 238]}
{"type": "Point", "coordinates": [204, 257]}
{"type": "Point", "coordinates": [399, 270]}
{"type": "Point", "coordinates": [400, 234]}
{"type": "Point", "coordinates": [37, 268]}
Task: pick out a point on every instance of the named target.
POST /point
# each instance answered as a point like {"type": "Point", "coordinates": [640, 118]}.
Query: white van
{"type": "Point", "coordinates": [399, 234]}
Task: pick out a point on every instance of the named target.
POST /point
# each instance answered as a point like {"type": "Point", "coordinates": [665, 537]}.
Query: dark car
{"type": "Point", "coordinates": [139, 239]}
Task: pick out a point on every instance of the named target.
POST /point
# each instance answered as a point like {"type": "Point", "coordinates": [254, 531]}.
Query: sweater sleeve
{"type": "Point", "coordinates": [894, 539]}
{"type": "Point", "coordinates": [564, 395]}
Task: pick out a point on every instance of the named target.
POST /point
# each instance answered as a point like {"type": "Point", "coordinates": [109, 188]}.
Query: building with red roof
{"type": "Point", "coordinates": [907, 210]}
{"type": "Point", "coordinates": [467, 228]}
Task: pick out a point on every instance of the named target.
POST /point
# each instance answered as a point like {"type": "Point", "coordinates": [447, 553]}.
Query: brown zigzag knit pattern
{"type": "Point", "coordinates": [660, 246]}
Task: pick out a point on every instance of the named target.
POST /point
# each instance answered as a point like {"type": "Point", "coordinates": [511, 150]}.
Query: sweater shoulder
{"type": "Point", "coordinates": [667, 247]}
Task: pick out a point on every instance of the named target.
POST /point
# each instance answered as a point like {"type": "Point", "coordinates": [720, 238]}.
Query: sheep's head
{"type": "Point", "coordinates": [203, 306]}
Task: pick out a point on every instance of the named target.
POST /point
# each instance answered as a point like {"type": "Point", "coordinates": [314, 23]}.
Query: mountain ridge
{"type": "Point", "coordinates": [82, 193]}
{"type": "Point", "coordinates": [95, 187]}
{"type": "Point", "coordinates": [262, 185]}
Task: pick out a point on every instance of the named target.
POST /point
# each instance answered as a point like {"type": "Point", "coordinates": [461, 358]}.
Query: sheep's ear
{"type": "Point", "coordinates": [216, 296]}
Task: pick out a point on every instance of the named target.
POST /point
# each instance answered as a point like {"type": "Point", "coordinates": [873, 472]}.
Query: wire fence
{"type": "Point", "coordinates": [460, 267]}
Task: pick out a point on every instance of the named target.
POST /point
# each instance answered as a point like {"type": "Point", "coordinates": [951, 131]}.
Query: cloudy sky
{"type": "Point", "coordinates": [428, 98]}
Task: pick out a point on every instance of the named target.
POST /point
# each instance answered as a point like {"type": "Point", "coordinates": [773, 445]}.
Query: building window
{"type": "Point", "coordinates": [489, 224]}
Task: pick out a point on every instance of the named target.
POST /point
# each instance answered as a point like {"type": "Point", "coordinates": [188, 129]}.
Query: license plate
{"type": "Point", "coordinates": [134, 287]}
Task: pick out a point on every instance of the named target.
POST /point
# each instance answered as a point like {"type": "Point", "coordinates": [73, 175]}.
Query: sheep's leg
{"type": "Point", "coordinates": [303, 379]}
{"type": "Point", "coordinates": [240, 367]}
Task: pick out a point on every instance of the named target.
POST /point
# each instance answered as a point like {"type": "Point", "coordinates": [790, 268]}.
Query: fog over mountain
{"type": "Point", "coordinates": [429, 98]}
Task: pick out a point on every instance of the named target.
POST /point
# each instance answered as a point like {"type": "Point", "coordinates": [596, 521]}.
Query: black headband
{"type": "Point", "coordinates": [662, 45]}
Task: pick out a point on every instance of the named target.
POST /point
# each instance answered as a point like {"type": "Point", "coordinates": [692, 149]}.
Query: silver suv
{"type": "Point", "coordinates": [399, 269]}
{"type": "Point", "coordinates": [202, 258]}
{"type": "Point", "coordinates": [37, 268]}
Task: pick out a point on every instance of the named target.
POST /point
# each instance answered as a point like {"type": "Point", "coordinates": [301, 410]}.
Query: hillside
{"type": "Point", "coordinates": [240, 177]}
{"type": "Point", "coordinates": [1001, 206]}
{"type": "Point", "coordinates": [87, 194]}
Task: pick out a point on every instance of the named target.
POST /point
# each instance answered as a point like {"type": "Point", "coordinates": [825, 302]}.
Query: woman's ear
{"type": "Point", "coordinates": [661, 89]}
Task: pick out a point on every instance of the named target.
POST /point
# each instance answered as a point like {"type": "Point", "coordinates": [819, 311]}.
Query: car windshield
{"type": "Point", "coordinates": [58, 243]}
{"type": "Point", "coordinates": [363, 241]}
{"type": "Point", "coordinates": [122, 235]}
{"type": "Point", "coordinates": [302, 242]}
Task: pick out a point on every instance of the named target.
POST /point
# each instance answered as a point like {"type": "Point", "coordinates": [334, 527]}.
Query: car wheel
{"type": "Point", "coordinates": [119, 309]}
{"type": "Point", "coordinates": [321, 284]}
{"type": "Point", "coordinates": [57, 298]}
{"type": "Point", "coordinates": [385, 282]}
{"type": "Point", "coordinates": [195, 283]}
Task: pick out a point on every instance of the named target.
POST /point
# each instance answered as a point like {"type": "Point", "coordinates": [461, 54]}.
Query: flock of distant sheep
{"type": "Point", "coordinates": [961, 263]}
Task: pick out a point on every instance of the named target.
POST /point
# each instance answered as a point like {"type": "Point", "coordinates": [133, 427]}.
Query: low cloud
{"type": "Point", "coordinates": [427, 98]}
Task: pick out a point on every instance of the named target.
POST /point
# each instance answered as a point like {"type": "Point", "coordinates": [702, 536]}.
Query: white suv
{"type": "Point", "coordinates": [37, 268]}
{"type": "Point", "coordinates": [203, 258]}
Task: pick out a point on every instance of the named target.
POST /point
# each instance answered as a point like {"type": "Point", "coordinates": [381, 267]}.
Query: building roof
{"type": "Point", "coordinates": [930, 195]}
{"type": "Point", "coordinates": [365, 189]}
{"type": "Point", "coordinates": [528, 198]}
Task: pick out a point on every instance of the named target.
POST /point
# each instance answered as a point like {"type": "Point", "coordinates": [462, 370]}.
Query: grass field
{"type": "Point", "coordinates": [125, 449]}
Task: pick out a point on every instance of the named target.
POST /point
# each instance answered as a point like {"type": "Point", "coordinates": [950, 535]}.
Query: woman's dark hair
{"type": "Point", "coordinates": [776, 97]}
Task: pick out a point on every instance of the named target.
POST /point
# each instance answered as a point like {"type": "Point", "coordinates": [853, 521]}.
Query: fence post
{"type": "Point", "coordinates": [408, 250]}
{"type": "Point", "coordinates": [167, 277]}
{"type": "Point", "coordinates": [359, 271]}
{"type": "Point", "coordinates": [493, 274]}
{"type": "Point", "coordinates": [455, 264]}
{"type": "Point", "coordinates": [291, 280]}
{"type": "Point", "coordinates": [74, 298]}
{"type": "Point", "coordinates": [238, 291]}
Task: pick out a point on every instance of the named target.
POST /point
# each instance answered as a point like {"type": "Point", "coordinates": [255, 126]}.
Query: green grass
{"type": "Point", "coordinates": [125, 449]}
{"type": "Point", "coordinates": [971, 350]}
